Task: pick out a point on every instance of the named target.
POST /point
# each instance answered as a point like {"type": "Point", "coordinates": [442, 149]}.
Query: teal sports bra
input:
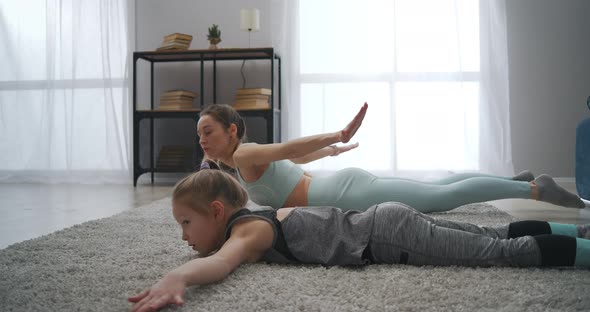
{"type": "Point", "coordinates": [275, 184]}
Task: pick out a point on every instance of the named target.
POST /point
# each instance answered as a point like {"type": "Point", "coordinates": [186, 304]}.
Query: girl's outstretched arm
{"type": "Point", "coordinates": [248, 242]}
{"type": "Point", "coordinates": [260, 154]}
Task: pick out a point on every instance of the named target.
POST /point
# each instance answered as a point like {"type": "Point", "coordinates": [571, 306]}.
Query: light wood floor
{"type": "Point", "coordinates": [32, 210]}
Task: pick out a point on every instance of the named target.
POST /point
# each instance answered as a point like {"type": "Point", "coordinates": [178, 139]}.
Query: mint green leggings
{"type": "Point", "coordinates": [354, 188]}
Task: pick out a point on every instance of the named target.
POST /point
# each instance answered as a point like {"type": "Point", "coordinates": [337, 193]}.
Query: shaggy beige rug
{"type": "Point", "coordinates": [96, 265]}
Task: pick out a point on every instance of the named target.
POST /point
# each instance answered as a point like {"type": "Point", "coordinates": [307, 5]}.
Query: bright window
{"type": "Point", "coordinates": [416, 63]}
{"type": "Point", "coordinates": [63, 90]}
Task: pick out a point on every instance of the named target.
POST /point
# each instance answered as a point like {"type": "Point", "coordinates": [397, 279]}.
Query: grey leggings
{"type": "Point", "coordinates": [401, 234]}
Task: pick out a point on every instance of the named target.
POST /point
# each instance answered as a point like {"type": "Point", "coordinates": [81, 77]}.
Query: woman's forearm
{"type": "Point", "coordinates": [303, 147]}
{"type": "Point", "coordinates": [319, 154]}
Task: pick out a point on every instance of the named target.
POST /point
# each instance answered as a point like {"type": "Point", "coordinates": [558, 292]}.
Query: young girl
{"type": "Point", "coordinates": [208, 206]}
{"type": "Point", "coordinates": [270, 174]}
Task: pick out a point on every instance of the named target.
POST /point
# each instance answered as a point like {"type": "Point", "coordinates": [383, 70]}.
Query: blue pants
{"type": "Point", "coordinates": [354, 188]}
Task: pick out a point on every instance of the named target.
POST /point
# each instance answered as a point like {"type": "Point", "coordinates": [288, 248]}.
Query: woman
{"type": "Point", "coordinates": [270, 174]}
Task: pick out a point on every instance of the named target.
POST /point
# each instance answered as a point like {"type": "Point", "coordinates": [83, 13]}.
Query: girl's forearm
{"type": "Point", "coordinates": [202, 271]}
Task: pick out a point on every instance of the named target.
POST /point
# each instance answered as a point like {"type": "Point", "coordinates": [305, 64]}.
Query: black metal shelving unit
{"type": "Point", "coordinates": [272, 115]}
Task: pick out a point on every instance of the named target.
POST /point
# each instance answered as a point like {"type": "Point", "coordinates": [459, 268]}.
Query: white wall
{"type": "Point", "coordinates": [549, 55]}
{"type": "Point", "coordinates": [156, 18]}
{"type": "Point", "coordinates": [548, 51]}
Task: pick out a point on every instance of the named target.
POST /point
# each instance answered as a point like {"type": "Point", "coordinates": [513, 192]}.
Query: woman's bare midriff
{"type": "Point", "coordinates": [298, 197]}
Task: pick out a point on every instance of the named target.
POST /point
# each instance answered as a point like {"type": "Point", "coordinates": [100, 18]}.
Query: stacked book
{"type": "Point", "coordinates": [175, 42]}
{"type": "Point", "coordinates": [174, 158]}
{"type": "Point", "coordinates": [252, 98]}
{"type": "Point", "coordinates": [177, 100]}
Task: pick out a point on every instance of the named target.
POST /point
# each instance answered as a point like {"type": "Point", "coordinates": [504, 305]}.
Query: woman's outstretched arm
{"type": "Point", "coordinates": [260, 154]}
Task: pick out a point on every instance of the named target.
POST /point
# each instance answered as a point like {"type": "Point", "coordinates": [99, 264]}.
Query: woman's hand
{"type": "Point", "coordinates": [348, 132]}
{"type": "Point", "coordinates": [342, 149]}
{"type": "Point", "coordinates": [169, 290]}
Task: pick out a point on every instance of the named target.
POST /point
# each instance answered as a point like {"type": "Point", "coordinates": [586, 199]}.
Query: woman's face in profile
{"type": "Point", "coordinates": [214, 139]}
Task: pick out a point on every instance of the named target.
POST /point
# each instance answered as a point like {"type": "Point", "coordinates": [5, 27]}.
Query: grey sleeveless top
{"type": "Point", "coordinates": [279, 252]}
{"type": "Point", "coordinates": [320, 235]}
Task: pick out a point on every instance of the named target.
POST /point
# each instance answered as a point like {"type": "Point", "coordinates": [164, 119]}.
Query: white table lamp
{"type": "Point", "coordinates": [250, 21]}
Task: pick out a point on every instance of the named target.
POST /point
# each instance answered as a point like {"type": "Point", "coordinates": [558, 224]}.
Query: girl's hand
{"type": "Point", "coordinates": [342, 149]}
{"type": "Point", "coordinates": [169, 290]}
{"type": "Point", "coordinates": [347, 133]}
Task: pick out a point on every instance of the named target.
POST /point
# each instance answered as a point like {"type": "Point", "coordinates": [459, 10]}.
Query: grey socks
{"type": "Point", "coordinates": [583, 230]}
{"type": "Point", "coordinates": [524, 176]}
{"type": "Point", "coordinates": [552, 193]}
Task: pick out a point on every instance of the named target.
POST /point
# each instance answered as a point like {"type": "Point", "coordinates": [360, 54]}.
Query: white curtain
{"type": "Point", "coordinates": [434, 72]}
{"type": "Point", "coordinates": [64, 108]}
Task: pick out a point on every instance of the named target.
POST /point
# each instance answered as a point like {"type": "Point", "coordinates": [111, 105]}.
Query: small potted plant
{"type": "Point", "coordinates": [214, 36]}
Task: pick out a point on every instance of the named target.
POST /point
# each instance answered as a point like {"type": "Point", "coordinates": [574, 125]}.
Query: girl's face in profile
{"type": "Point", "coordinates": [213, 137]}
{"type": "Point", "coordinates": [199, 230]}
